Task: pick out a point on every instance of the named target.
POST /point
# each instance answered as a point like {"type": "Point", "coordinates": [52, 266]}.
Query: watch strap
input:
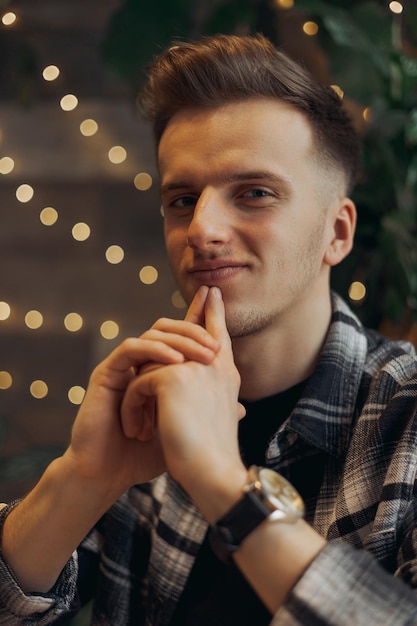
{"type": "Point", "coordinates": [225, 541]}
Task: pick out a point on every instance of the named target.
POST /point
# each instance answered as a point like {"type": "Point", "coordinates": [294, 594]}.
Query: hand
{"type": "Point", "coordinates": [100, 449]}
{"type": "Point", "coordinates": [141, 424]}
{"type": "Point", "coordinates": [100, 463]}
{"type": "Point", "coordinates": [197, 405]}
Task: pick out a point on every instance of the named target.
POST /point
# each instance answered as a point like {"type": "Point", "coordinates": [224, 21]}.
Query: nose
{"type": "Point", "coordinates": [210, 225]}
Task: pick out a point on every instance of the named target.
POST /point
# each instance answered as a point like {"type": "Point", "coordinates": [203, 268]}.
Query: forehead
{"type": "Point", "coordinates": [251, 132]}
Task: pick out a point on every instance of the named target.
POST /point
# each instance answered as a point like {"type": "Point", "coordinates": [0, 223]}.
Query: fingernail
{"type": "Point", "coordinates": [216, 293]}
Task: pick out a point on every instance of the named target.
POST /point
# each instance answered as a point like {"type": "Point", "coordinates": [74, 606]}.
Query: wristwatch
{"type": "Point", "coordinates": [266, 494]}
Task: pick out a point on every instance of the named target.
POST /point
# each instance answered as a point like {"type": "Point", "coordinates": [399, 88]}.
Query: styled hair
{"type": "Point", "coordinates": [229, 68]}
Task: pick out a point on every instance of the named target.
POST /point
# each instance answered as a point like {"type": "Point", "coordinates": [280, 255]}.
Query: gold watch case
{"type": "Point", "coordinates": [276, 493]}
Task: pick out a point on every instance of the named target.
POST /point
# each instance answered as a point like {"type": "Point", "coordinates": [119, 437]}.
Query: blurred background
{"type": "Point", "coordinates": [81, 249]}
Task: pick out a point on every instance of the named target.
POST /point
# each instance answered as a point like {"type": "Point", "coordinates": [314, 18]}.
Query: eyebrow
{"type": "Point", "coordinates": [235, 177]}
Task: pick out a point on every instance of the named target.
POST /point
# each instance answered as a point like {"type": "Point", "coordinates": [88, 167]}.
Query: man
{"type": "Point", "coordinates": [267, 369]}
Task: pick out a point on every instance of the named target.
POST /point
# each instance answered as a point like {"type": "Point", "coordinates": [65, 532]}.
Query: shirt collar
{"type": "Point", "coordinates": [324, 414]}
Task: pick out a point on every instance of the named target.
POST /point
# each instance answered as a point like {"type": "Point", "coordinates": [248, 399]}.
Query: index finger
{"type": "Point", "coordinates": [195, 313]}
{"type": "Point", "coordinates": [215, 315]}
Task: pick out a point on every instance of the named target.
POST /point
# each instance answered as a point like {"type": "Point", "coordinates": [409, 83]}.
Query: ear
{"type": "Point", "coordinates": [344, 225]}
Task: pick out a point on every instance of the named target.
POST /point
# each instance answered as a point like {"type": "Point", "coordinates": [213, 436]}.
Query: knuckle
{"type": "Point", "coordinates": [128, 344]}
{"type": "Point", "coordinates": [161, 323]}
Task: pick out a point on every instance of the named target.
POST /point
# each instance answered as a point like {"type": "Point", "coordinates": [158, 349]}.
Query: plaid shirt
{"type": "Point", "coordinates": [349, 446]}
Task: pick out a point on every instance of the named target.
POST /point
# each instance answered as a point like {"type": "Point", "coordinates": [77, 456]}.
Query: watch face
{"type": "Point", "coordinates": [280, 492]}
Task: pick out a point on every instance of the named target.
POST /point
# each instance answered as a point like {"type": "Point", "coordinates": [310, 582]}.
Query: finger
{"type": "Point", "coordinates": [138, 413]}
{"type": "Point", "coordinates": [195, 313]}
{"type": "Point", "coordinates": [215, 316]}
{"type": "Point", "coordinates": [136, 351]}
{"type": "Point", "coordinates": [190, 349]}
{"type": "Point", "coordinates": [241, 411]}
{"type": "Point", "coordinates": [177, 333]}
{"type": "Point", "coordinates": [141, 425]}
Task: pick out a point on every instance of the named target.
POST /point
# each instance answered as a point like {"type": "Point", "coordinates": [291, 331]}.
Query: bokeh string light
{"type": "Point", "coordinates": [25, 193]}
{"type": "Point", "coordinates": [114, 254]}
{"type": "Point", "coordinates": [6, 165]}
{"type": "Point", "coordinates": [396, 7]}
{"type": "Point", "coordinates": [69, 102]}
{"type": "Point", "coordinates": [39, 389]}
{"type": "Point", "coordinates": [6, 380]}
{"type": "Point", "coordinates": [81, 231]}
{"type": "Point", "coordinates": [148, 275]}
{"type": "Point", "coordinates": [48, 216]}
{"type": "Point", "coordinates": [9, 18]}
{"type": "Point", "coordinates": [310, 28]}
{"type": "Point", "coordinates": [285, 4]}
{"type": "Point", "coordinates": [109, 329]}
{"type": "Point", "coordinates": [88, 127]}
{"type": "Point", "coordinates": [33, 319]}
{"type": "Point", "coordinates": [73, 322]}
{"type": "Point", "coordinates": [142, 181]}
{"type": "Point", "coordinates": [76, 394]}
{"type": "Point", "coordinates": [117, 154]}
{"type": "Point", "coordinates": [50, 73]}
{"type": "Point", "coordinates": [4, 311]}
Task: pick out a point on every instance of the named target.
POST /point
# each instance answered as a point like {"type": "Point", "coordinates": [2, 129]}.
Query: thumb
{"type": "Point", "coordinates": [138, 411]}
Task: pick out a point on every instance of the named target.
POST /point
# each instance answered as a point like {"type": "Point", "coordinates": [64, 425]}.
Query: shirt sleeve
{"type": "Point", "coordinates": [345, 586]}
{"type": "Point", "coordinates": [17, 607]}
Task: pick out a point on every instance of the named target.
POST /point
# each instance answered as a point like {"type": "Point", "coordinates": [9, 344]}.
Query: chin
{"type": "Point", "coordinates": [246, 323]}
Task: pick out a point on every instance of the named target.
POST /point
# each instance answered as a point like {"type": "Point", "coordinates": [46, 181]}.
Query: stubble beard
{"type": "Point", "coordinates": [250, 319]}
{"type": "Point", "coordinates": [250, 322]}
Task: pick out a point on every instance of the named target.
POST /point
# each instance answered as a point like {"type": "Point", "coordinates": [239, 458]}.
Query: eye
{"type": "Point", "coordinates": [179, 205]}
{"type": "Point", "coordinates": [257, 193]}
{"type": "Point", "coordinates": [256, 198]}
{"type": "Point", "coordinates": [183, 202]}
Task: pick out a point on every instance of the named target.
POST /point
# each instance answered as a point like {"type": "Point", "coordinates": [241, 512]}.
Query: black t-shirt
{"type": "Point", "coordinates": [216, 593]}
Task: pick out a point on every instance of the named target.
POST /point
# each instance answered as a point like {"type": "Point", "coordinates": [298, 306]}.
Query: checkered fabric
{"type": "Point", "coordinates": [349, 447]}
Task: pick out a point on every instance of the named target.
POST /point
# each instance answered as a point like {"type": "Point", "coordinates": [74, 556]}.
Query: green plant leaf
{"type": "Point", "coordinates": [139, 29]}
{"type": "Point", "coordinates": [411, 128]}
{"type": "Point", "coordinates": [411, 177]}
{"type": "Point", "coordinates": [360, 41]}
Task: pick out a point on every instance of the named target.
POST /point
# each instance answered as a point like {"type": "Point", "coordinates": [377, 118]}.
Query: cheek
{"type": "Point", "coordinates": [175, 243]}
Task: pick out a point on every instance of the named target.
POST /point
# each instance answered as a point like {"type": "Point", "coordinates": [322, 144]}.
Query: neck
{"type": "Point", "coordinates": [283, 354]}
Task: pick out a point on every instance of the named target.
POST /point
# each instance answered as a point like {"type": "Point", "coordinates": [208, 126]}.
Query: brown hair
{"type": "Point", "coordinates": [227, 68]}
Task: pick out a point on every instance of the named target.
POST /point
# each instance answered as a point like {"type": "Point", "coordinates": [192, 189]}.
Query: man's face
{"type": "Point", "coordinates": [241, 196]}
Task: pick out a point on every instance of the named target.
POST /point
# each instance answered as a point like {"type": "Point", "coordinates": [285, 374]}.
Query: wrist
{"type": "Point", "coordinates": [43, 530]}
{"type": "Point", "coordinates": [217, 492]}
{"type": "Point", "coordinates": [93, 489]}
{"type": "Point", "coordinates": [266, 495]}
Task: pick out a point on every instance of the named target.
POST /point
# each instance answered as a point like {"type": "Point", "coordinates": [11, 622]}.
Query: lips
{"type": "Point", "coordinates": [213, 273]}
